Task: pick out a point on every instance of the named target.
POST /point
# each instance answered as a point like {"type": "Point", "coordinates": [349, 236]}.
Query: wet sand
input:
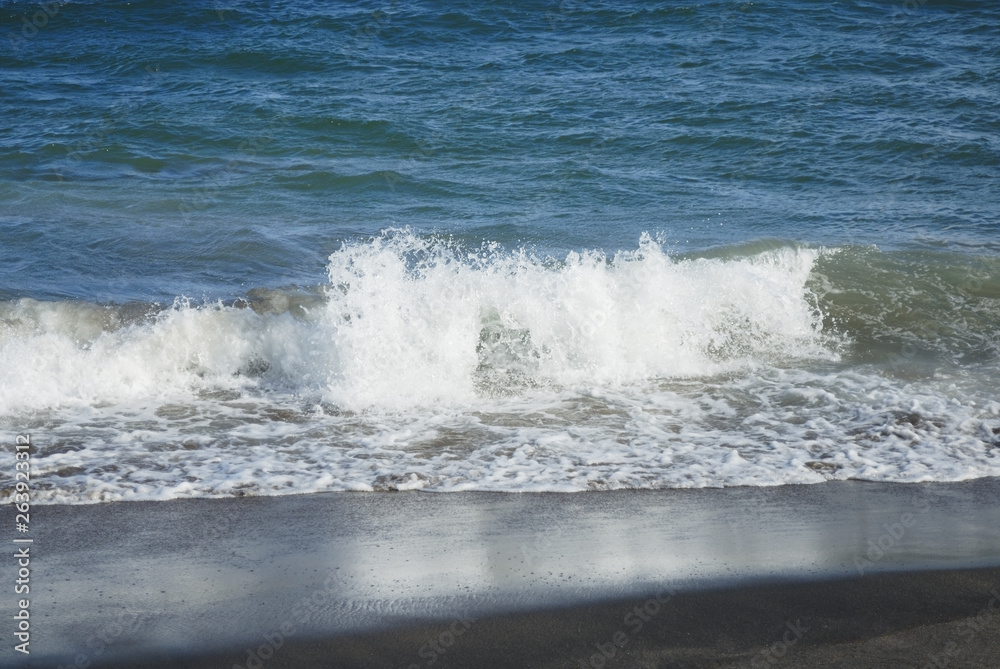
{"type": "Point", "coordinates": [913, 619]}
{"type": "Point", "coordinates": [837, 574]}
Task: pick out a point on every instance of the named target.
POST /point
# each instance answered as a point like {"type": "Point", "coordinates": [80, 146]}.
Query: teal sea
{"type": "Point", "coordinates": [258, 248]}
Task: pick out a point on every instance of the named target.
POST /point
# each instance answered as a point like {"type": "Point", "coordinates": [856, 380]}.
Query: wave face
{"type": "Point", "coordinates": [423, 363]}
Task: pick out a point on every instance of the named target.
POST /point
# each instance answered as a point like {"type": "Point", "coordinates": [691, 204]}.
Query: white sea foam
{"type": "Point", "coordinates": [422, 365]}
{"type": "Point", "coordinates": [410, 321]}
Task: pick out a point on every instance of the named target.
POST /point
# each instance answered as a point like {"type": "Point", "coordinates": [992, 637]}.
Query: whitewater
{"type": "Point", "coordinates": [423, 363]}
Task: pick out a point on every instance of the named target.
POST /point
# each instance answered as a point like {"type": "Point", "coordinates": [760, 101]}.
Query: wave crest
{"type": "Point", "coordinates": [408, 320]}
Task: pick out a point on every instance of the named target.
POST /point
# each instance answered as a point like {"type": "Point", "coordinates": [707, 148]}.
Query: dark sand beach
{"type": "Point", "coordinates": [913, 619]}
{"type": "Point", "coordinates": [838, 574]}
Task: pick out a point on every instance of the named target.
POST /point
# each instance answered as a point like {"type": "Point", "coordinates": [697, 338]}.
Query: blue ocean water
{"type": "Point", "coordinates": [266, 248]}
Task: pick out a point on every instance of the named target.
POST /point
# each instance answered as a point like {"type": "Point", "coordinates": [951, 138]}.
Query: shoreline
{"type": "Point", "coordinates": [360, 576]}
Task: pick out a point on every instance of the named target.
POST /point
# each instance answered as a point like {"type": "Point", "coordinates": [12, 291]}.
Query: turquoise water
{"type": "Point", "coordinates": [281, 247]}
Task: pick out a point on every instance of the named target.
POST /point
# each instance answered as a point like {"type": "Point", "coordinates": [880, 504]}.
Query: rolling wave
{"type": "Point", "coordinates": [422, 362]}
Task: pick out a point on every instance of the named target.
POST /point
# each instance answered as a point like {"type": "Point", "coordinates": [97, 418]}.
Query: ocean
{"type": "Point", "coordinates": [267, 248]}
